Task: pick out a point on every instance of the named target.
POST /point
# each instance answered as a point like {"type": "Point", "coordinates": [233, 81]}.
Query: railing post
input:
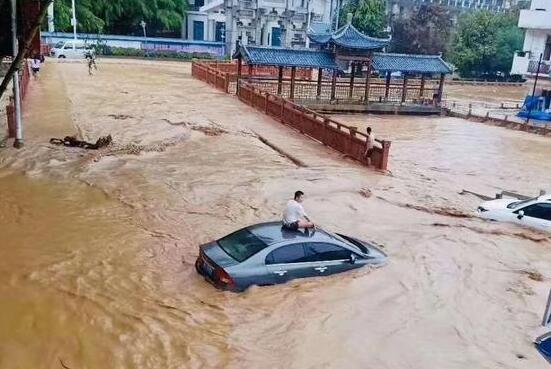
{"type": "Point", "coordinates": [266, 103]}
{"type": "Point", "coordinates": [387, 86]}
{"type": "Point", "coordinates": [367, 82]}
{"type": "Point", "coordinates": [318, 90]}
{"type": "Point", "coordinates": [404, 88]}
{"type": "Point", "coordinates": [293, 74]}
{"type": "Point", "coordinates": [383, 164]}
{"type": "Point", "coordinates": [422, 88]}
{"type": "Point", "coordinates": [441, 87]}
{"type": "Point", "coordinates": [282, 109]}
{"type": "Point", "coordinates": [333, 84]}
{"type": "Point", "coordinates": [325, 130]}
{"type": "Point", "coordinates": [280, 81]}
{"type": "Point", "coordinates": [351, 90]}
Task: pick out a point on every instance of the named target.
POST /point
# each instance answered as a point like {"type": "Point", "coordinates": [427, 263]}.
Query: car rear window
{"type": "Point", "coordinates": [241, 245]}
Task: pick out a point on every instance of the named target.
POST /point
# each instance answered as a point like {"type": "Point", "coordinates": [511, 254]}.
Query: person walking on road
{"type": "Point", "coordinates": [294, 216]}
{"type": "Point", "coordinates": [35, 65]}
{"type": "Point", "coordinates": [91, 58]}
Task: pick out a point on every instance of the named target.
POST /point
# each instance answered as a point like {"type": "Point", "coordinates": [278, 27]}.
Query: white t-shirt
{"type": "Point", "coordinates": [293, 212]}
{"type": "Point", "coordinates": [35, 63]}
{"type": "Point", "coordinates": [371, 143]}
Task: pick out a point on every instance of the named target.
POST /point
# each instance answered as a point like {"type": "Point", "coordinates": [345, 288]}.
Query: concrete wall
{"type": "Point", "coordinates": [217, 49]}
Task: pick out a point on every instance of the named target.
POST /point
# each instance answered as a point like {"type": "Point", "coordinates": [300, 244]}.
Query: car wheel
{"type": "Point", "coordinates": [61, 57]}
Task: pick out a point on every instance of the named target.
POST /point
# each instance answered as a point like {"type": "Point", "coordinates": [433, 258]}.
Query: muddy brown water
{"type": "Point", "coordinates": [98, 248]}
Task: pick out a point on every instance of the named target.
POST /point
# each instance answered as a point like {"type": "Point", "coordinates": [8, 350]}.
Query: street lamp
{"type": "Point", "coordinates": [143, 24]}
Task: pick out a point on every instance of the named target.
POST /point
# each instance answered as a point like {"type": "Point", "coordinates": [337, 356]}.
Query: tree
{"type": "Point", "coordinates": [485, 42]}
{"type": "Point", "coordinates": [368, 16]}
{"type": "Point", "coordinates": [121, 16]}
{"type": "Point", "coordinates": [426, 31]}
{"type": "Point", "coordinates": [25, 45]}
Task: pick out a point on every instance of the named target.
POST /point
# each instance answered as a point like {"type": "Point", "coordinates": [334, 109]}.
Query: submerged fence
{"type": "Point", "coordinates": [329, 132]}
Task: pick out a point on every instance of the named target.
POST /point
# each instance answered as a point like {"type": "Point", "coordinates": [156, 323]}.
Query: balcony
{"type": "Point", "coordinates": [211, 5]}
{"type": "Point", "coordinates": [535, 19]}
{"type": "Point", "coordinates": [525, 65]}
{"type": "Point", "coordinates": [246, 13]}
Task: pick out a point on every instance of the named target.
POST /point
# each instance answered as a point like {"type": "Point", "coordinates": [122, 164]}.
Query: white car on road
{"type": "Point", "coordinates": [71, 49]}
{"type": "Point", "coordinates": [535, 213]}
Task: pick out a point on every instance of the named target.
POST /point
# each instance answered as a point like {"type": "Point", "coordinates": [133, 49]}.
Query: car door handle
{"type": "Point", "coordinates": [321, 269]}
{"type": "Point", "coordinates": [280, 272]}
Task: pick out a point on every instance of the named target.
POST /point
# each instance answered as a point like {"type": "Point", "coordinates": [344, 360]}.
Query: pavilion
{"type": "Point", "coordinates": [347, 49]}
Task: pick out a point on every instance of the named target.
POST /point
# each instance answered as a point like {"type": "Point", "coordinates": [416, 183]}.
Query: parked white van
{"type": "Point", "coordinates": [64, 49]}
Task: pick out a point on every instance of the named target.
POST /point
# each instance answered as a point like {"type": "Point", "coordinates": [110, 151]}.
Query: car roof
{"type": "Point", "coordinates": [273, 232]}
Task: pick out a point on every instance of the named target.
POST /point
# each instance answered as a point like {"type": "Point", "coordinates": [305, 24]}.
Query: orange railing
{"type": "Point", "coordinates": [330, 132]}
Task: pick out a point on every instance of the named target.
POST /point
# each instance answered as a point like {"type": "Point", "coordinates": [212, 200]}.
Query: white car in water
{"type": "Point", "coordinates": [534, 213]}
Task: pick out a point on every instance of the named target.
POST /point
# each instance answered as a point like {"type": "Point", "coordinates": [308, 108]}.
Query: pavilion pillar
{"type": "Point", "coordinates": [280, 81]}
{"type": "Point", "coordinates": [405, 88]}
{"type": "Point", "coordinates": [351, 90]}
{"type": "Point", "coordinates": [441, 87]}
{"type": "Point", "coordinates": [422, 88]}
{"type": "Point", "coordinates": [387, 85]}
{"type": "Point", "coordinates": [333, 84]}
{"type": "Point", "coordinates": [320, 74]}
{"type": "Point", "coordinates": [239, 68]}
{"type": "Point", "coordinates": [293, 74]}
{"type": "Point", "coordinates": [367, 82]}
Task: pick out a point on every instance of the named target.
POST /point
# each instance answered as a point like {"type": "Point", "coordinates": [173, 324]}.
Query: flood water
{"type": "Point", "coordinates": [98, 247]}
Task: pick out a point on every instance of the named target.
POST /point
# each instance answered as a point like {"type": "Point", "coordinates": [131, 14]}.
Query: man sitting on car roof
{"type": "Point", "coordinates": [294, 216]}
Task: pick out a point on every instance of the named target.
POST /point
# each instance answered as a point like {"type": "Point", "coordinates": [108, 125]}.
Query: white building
{"type": "Point", "coordinates": [537, 39]}
{"type": "Point", "coordinates": [256, 22]}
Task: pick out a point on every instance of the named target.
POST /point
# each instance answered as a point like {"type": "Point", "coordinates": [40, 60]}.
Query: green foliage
{"type": "Point", "coordinates": [427, 31]}
{"type": "Point", "coordinates": [140, 53]}
{"type": "Point", "coordinates": [121, 16]}
{"type": "Point", "coordinates": [368, 16]}
{"type": "Point", "coordinates": [485, 43]}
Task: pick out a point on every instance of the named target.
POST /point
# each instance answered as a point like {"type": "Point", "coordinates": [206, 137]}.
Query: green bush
{"type": "Point", "coordinates": [156, 54]}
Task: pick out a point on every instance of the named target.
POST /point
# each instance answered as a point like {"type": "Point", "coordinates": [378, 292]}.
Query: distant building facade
{"type": "Point", "coordinates": [403, 8]}
{"type": "Point", "coordinates": [256, 22]}
{"type": "Point", "coordinates": [536, 22]}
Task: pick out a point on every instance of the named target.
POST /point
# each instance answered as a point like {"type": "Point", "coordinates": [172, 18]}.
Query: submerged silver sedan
{"type": "Point", "coordinates": [267, 253]}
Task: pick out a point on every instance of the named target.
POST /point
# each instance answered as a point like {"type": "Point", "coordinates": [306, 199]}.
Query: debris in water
{"type": "Point", "coordinates": [71, 141]}
{"type": "Point", "coordinates": [63, 364]}
{"type": "Point", "coordinates": [120, 116]}
{"type": "Point", "coordinates": [365, 192]}
{"type": "Point", "coordinates": [534, 275]}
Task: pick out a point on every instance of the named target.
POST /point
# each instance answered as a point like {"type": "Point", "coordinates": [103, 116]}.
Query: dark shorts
{"type": "Point", "coordinates": [292, 226]}
{"type": "Point", "coordinates": [35, 70]}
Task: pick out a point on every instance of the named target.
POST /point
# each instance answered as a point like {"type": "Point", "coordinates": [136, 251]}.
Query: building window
{"type": "Point", "coordinates": [220, 31]}
{"type": "Point", "coordinates": [276, 36]}
{"type": "Point", "coordinates": [198, 30]}
{"type": "Point", "coordinates": [547, 50]}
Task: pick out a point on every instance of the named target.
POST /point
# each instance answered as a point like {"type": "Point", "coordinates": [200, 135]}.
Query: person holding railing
{"type": "Point", "coordinates": [370, 145]}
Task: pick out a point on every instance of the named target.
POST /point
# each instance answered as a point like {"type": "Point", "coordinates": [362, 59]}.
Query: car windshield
{"type": "Point", "coordinates": [517, 204]}
{"type": "Point", "coordinates": [241, 245]}
{"type": "Point", "coordinates": [347, 240]}
{"type": "Point", "coordinates": [59, 45]}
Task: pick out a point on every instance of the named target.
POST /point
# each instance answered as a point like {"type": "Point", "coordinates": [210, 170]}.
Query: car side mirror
{"type": "Point", "coordinates": [520, 214]}
{"type": "Point", "coordinates": [352, 259]}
